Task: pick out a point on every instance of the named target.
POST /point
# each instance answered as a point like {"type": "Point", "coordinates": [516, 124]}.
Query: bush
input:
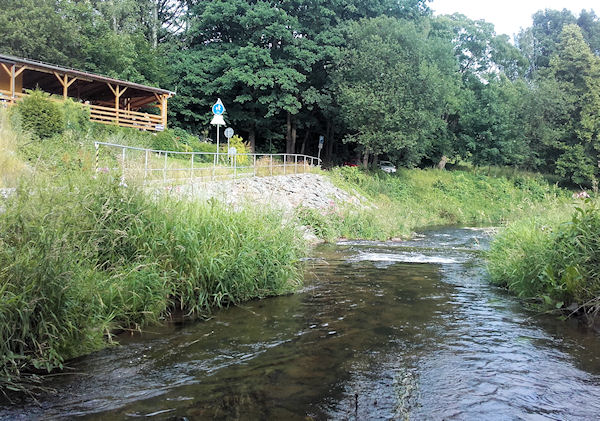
{"type": "Point", "coordinates": [241, 148]}
{"type": "Point", "coordinates": [40, 115]}
{"type": "Point", "coordinates": [76, 116]}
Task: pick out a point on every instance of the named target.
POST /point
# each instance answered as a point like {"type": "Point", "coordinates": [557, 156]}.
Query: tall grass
{"type": "Point", "coordinates": [83, 257]}
{"type": "Point", "coordinates": [553, 259]}
{"type": "Point", "coordinates": [415, 198]}
{"type": "Point", "coordinates": [12, 166]}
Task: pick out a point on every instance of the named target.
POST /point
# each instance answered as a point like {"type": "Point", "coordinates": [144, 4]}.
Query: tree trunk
{"type": "Point", "coordinates": [294, 132]}
{"type": "Point", "coordinates": [154, 25]}
{"type": "Point", "coordinates": [329, 140]}
{"type": "Point", "coordinates": [288, 136]}
{"type": "Point", "coordinates": [442, 164]}
{"type": "Point", "coordinates": [252, 139]}
{"type": "Point", "coordinates": [366, 159]}
{"type": "Point", "coordinates": [303, 147]}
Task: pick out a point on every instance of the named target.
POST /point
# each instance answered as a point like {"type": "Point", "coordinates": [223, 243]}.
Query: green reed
{"type": "Point", "coordinates": [81, 258]}
{"type": "Point", "coordinates": [553, 259]}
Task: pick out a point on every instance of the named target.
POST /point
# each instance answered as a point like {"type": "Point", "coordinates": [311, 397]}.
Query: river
{"type": "Point", "coordinates": [394, 330]}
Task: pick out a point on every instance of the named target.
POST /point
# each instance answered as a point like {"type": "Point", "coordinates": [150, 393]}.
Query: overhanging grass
{"type": "Point", "coordinates": [553, 259]}
{"type": "Point", "coordinates": [83, 257]}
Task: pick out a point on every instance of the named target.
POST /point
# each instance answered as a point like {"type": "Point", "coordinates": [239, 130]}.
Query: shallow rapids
{"type": "Point", "coordinates": [381, 330]}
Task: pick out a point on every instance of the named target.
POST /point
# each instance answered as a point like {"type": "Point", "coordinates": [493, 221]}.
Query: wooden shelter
{"type": "Point", "coordinates": [110, 101]}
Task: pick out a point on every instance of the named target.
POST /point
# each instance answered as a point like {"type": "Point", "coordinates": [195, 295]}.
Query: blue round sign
{"type": "Point", "coordinates": [218, 109]}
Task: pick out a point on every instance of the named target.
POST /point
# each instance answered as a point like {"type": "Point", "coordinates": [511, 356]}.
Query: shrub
{"type": "Point", "coordinates": [241, 148]}
{"type": "Point", "coordinates": [76, 116]}
{"type": "Point", "coordinates": [40, 115]}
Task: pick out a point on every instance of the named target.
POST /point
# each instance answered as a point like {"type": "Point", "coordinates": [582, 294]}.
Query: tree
{"type": "Point", "coordinates": [389, 89]}
{"type": "Point", "coordinates": [576, 71]}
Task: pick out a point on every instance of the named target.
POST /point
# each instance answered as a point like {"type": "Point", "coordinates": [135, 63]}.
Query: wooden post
{"type": "Point", "coordinates": [118, 92]}
{"type": "Point", "coordinates": [13, 73]}
{"type": "Point", "coordinates": [64, 81]}
{"type": "Point", "coordinates": [13, 82]}
{"type": "Point", "coordinates": [163, 110]}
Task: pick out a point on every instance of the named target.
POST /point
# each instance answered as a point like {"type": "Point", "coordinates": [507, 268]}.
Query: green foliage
{"type": "Point", "coordinates": [82, 257]}
{"type": "Point", "coordinates": [411, 199]}
{"type": "Point", "coordinates": [390, 90]}
{"type": "Point", "coordinates": [241, 148]}
{"type": "Point", "coordinates": [77, 117]}
{"type": "Point", "coordinates": [554, 259]}
{"type": "Point", "coordinates": [12, 167]}
{"type": "Point", "coordinates": [40, 115]}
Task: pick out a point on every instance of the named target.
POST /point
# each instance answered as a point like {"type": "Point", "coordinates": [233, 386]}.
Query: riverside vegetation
{"type": "Point", "coordinates": [83, 256]}
{"type": "Point", "coordinates": [552, 259]}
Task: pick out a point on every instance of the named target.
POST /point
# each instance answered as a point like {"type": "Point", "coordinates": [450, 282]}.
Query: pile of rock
{"type": "Point", "coordinates": [286, 192]}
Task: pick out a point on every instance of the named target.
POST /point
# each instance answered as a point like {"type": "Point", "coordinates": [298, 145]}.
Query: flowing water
{"type": "Point", "coordinates": [395, 330]}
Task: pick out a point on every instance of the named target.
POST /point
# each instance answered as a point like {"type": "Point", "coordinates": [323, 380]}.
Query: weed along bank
{"type": "Point", "coordinates": [110, 101]}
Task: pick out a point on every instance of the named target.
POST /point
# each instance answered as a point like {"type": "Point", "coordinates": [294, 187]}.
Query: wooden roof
{"type": "Point", "coordinates": [87, 86]}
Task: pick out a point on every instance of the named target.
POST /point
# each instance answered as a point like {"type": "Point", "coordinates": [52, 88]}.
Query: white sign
{"type": "Point", "coordinates": [218, 108]}
{"type": "Point", "coordinates": [217, 120]}
{"type": "Point", "coordinates": [159, 127]}
{"type": "Point", "coordinates": [228, 132]}
{"type": "Point", "coordinates": [321, 141]}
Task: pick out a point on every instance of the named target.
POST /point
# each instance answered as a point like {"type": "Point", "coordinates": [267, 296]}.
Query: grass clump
{"type": "Point", "coordinates": [81, 258]}
{"type": "Point", "coordinates": [554, 260]}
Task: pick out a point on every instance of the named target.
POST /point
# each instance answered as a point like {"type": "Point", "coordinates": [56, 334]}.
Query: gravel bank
{"type": "Point", "coordinates": [283, 192]}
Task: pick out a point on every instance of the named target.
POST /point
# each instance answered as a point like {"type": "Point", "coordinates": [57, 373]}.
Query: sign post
{"type": "Point", "coordinates": [321, 141]}
{"type": "Point", "coordinates": [218, 109]}
{"type": "Point", "coordinates": [228, 135]}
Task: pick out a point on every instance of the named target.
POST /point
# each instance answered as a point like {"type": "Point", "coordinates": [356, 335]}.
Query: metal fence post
{"type": "Point", "coordinates": [254, 158]}
{"type": "Point", "coordinates": [284, 159]}
{"type": "Point", "coordinates": [214, 165]}
{"type": "Point", "coordinates": [97, 147]}
{"type": "Point", "coordinates": [295, 164]}
{"type": "Point", "coordinates": [271, 159]}
{"type": "Point", "coordinates": [165, 169]}
{"type": "Point", "coordinates": [234, 166]}
{"type": "Point", "coordinates": [123, 159]}
{"type": "Point", "coordinates": [146, 167]}
{"type": "Point", "coordinates": [192, 169]}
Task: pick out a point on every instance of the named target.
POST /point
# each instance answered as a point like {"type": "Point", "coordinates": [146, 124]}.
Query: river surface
{"type": "Point", "coordinates": [395, 330]}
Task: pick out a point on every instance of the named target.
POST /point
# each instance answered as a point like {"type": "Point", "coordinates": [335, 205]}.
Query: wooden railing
{"type": "Point", "coordinates": [7, 98]}
{"type": "Point", "coordinates": [125, 118]}
{"type": "Point", "coordinates": [104, 115]}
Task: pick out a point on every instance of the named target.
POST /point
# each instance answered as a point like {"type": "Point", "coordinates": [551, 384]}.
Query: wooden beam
{"type": "Point", "coordinates": [112, 89]}
{"type": "Point", "coordinates": [163, 110]}
{"type": "Point", "coordinates": [59, 78]}
{"type": "Point", "coordinates": [71, 82]}
{"type": "Point", "coordinates": [7, 70]}
{"type": "Point", "coordinates": [13, 79]}
{"type": "Point", "coordinates": [21, 70]}
{"type": "Point", "coordinates": [64, 81]}
{"type": "Point", "coordinates": [117, 96]}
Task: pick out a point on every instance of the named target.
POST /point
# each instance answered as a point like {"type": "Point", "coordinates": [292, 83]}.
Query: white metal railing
{"type": "Point", "coordinates": [158, 165]}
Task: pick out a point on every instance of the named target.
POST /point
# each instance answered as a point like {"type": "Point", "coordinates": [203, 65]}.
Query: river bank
{"type": "Point", "coordinates": [380, 330]}
{"type": "Point", "coordinates": [81, 258]}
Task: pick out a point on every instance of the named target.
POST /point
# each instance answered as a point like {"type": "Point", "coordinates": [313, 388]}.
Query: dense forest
{"type": "Point", "coordinates": [377, 78]}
